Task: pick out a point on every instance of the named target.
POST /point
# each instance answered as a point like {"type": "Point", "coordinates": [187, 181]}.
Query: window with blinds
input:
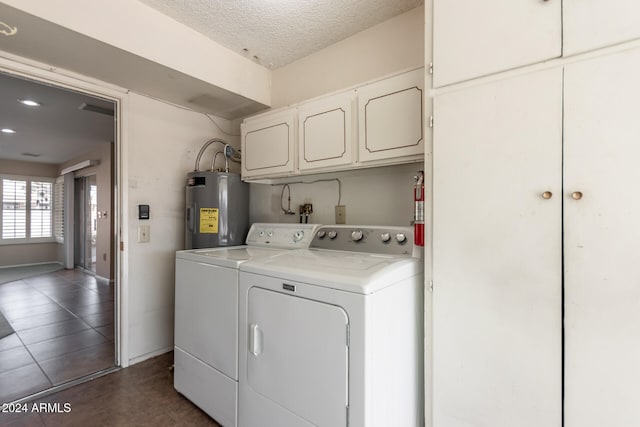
{"type": "Point", "coordinates": [27, 209]}
{"type": "Point", "coordinates": [14, 209]}
{"type": "Point", "coordinates": [58, 210]}
{"type": "Point", "coordinates": [41, 209]}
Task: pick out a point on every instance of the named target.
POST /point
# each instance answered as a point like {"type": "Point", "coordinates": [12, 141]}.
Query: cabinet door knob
{"type": "Point", "coordinates": [547, 195]}
{"type": "Point", "coordinates": [576, 195]}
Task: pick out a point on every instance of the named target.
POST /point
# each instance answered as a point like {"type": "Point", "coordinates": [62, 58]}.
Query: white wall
{"type": "Point", "coordinates": [374, 196]}
{"type": "Point", "coordinates": [394, 45]}
{"type": "Point", "coordinates": [162, 144]}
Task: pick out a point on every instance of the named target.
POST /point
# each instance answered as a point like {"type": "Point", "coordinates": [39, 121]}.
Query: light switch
{"type": "Point", "coordinates": [144, 233]}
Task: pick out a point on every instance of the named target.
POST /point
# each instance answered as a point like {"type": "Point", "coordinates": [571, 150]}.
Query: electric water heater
{"type": "Point", "coordinates": [217, 210]}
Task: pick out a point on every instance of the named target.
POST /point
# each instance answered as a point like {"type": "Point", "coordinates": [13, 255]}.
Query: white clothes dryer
{"type": "Point", "coordinates": [333, 335]}
{"type": "Point", "coordinates": [206, 315]}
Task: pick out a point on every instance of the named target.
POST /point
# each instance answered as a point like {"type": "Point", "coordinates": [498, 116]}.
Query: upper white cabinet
{"type": "Point", "coordinates": [325, 132]}
{"type": "Point", "coordinates": [268, 144]}
{"type": "Point", "coordinates": [474, 38]}
{"type": "Point", "coordinates": [590, 24]}
{"type": "Point", "coordinates": [381, 123]}
{"type": "Point", "coordinates": [497, 254]}
{"type": "Point", "coordinates": [391, 118]}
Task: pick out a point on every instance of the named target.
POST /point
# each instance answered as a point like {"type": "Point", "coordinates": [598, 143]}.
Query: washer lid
{"type": "Point", "coordinates": [231, 256]}
{"type": "Point", "coordinates": [348, 271]}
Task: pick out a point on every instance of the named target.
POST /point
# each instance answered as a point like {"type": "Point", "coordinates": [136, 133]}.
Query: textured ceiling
{"type": "Point", "coordinates": [278, 32]}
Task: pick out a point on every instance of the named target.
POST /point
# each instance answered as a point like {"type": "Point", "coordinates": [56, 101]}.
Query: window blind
{"type": "Point", "coordinates": [58, 210]}
{"type": "Point", "coordinates": [41, 209]}
{"type": "Point", "coordinates": [14, 209]}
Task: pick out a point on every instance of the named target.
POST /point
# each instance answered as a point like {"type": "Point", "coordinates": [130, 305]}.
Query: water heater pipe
{"type": "Point", "coordinates": [204, 147]}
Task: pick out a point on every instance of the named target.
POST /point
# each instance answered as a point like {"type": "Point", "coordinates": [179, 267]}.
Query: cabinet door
{"type": "Point", "coordinates": [590, 24]}
{"type": "Point", "coordinates": [497, 291]}
{"type": "Point", "coordinates": [325, 132]}
{"type": "Point", "coordinates": [390, 118]}
{"type": "Point", "coordinates": [601, 235]}
{"type": "Point", "coordinates": [475, 38]}
{"type": "Point", "coordinates": [268, 144]}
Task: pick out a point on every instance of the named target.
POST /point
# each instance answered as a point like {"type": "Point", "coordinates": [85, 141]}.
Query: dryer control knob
{"type": "Point", "coordinates": [321, 234]}
{"type": "Point", "coordinates": [298, 235]}
{"type": "Point", "coordinates": [333, 234]}
{"type": "Point", "coordinates": [356, 235]}
{"type": "Point", "coordinates": [270, 233]}
{"type": "Point", "coordinates": [401, 238]}
{"type": "Point", "coordinates": [385, 237]}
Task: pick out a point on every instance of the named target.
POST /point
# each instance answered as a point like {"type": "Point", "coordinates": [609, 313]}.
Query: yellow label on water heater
{"type": "Point", "coordinates": [209, 220]}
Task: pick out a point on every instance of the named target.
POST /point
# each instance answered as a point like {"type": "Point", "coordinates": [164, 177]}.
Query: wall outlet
{"type": "Point", "coordinates": [144, 233]}
{"type": "Point", "coordinates": [341, 214]}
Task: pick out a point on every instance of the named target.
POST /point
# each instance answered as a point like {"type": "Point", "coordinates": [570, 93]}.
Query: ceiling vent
{"type": "Point", "coordinates": [96, 109]}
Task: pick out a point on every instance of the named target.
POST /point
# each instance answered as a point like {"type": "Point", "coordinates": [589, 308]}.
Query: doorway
{"type": "Point", "coordinates": [59, 327]}
{"type": "Point", "coordinates": [86, 223]}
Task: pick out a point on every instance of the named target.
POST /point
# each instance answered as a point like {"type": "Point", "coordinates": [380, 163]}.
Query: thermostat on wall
{"type": "Point", "coordinates": [143, 211]}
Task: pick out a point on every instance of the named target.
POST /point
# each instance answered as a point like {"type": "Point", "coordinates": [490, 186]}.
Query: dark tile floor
{"type": "Point", "coordinates": [141, 395]}
{"type": "Point", "coordinates": [63, 324]}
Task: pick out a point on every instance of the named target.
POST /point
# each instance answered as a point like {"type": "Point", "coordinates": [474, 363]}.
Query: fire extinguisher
{"type": "Point", "coordinates": [418, 197]}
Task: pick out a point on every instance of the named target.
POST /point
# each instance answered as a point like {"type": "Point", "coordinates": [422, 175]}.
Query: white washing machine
{"type": "Point", "coordinates": [206, 315]}
{"type": "Point", "coordinates": [333, 335]}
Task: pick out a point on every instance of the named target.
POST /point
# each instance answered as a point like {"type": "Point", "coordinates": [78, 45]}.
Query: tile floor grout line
{"type": "Point", "coordinates": [81, 286]}
{"type": "Point", "coordinates": [34, 360]}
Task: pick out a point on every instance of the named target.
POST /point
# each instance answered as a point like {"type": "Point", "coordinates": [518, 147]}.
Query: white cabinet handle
{"type": "Point", "coordinates": [255, 339]}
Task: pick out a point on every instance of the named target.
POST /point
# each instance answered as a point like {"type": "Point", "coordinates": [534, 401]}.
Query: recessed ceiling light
{"type": "Point", "coordinates": [7, 130]}
{"type": "Point", "coordinates": [29, 102]}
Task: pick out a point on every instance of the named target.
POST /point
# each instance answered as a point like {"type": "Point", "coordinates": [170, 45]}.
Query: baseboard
{"type": "Point", "coordinates": [149, 355]}
{"type": "Point", "coordinates": [31, 265]}
{"type": "Point", "coordinates": [104, 279]}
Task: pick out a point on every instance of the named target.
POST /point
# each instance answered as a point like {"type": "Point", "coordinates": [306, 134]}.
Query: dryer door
{"type": "Point", "coordinates": [298, 355]}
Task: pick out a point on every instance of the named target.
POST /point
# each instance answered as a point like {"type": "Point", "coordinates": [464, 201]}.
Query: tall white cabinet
{"type": "Point", "coordinates": [601, 235]}
{"type": "Point", "coordinates": [535, 217]}
{"type": "Point", "coordinates": [497, 295]}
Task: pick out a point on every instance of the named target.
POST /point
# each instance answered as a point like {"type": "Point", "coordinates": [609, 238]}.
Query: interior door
{"type": "Point", "coordinates": [497, 289]}
{"type": "Point", "coordinates": [298, 355]}
{"type": "Point", "coordinates": [602, 231]}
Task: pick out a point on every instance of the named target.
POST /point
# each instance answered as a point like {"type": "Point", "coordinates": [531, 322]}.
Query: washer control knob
{"type": "Point", "coordinates": [270, 233]}
{"type": "Point", "coordinates": [401, 238]}
{"type": "Point", "coordinates": [261, 234]}
{"type": "Point", "coordinates": [298, 235]}
{"type": "Point", "coordinates": [333, 234]}
{"type": "Point", "coordinates": [385, 237]}
{"type": "Point", "coordinates": [356, 235]}
{"type": "Point", "coordinates": [321, 234]}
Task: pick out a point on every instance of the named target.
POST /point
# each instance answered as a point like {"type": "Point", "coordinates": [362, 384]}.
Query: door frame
{"type": "Point", "coordinates": [47, 74]}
